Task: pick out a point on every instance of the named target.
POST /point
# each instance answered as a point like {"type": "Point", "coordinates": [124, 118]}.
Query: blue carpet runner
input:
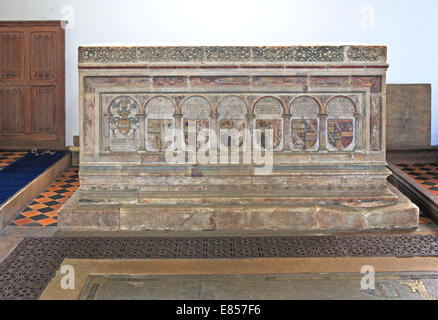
{"type": "Point", "coordinates": [19, 173]}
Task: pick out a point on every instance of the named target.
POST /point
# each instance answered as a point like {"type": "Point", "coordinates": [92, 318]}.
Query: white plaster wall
{"type": "Point", "coordinates": [407, 27]}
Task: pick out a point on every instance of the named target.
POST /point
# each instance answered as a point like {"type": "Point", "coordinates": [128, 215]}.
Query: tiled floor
{"type": "Point", "coordinates": [7, 157]}
{"type": "Point", "coordinates": [43, 211]}
{"type": "Point", "coordinates": [425, 174]}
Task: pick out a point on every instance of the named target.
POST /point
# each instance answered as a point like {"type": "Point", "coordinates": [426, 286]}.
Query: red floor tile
{"type": "Point", "coordinates": [23, 221]}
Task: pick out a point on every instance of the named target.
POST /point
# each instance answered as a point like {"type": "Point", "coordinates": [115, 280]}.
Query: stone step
{"type": "Point", "coordinates": [317, 197]}
{"type": "Point", "coordinates": [75, 215]}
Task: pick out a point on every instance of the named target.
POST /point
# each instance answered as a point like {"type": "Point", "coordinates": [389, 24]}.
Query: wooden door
{"type": "Point", "coordinates": [32, 107]}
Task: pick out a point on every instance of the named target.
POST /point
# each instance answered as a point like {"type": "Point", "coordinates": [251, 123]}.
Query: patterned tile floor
{"type": "Point", "coordinates": [425, 174]}
{"type": "Point", "coordinates": [43, 211]}
{"type": "Point", "coordinates": [7, 157]}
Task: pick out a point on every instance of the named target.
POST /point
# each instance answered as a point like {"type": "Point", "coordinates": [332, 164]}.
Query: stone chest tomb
{"type": "Point", "coordinates": [318, 111]}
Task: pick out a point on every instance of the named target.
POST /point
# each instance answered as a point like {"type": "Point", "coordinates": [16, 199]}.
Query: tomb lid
{"type": "Point", "coordinates": [120, 54]}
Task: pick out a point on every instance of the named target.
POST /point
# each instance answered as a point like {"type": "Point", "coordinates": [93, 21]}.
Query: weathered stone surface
{"type": "Point", "coordinates": [227, 54]}
{"type": "Point", "coordinates": [338, 218]}
{"type": "Point", "coordinates": [211, 81]}
{"type": "Point", "coordinates": [394, 219]}
{"type": "Point", "coordinates": [324, 106]}
{"type": "Point", "coordinates": [92, 54]}
{"type": "Point", "coordinates": [281, 218]}
{"type": "Point", "coordinates": [169, 82]}
{"type": "Point", "coordinates": [374, 83]}
{"type": "Point", "coordinates": [403, 215]}
{"type": "Point", "coordinates": [169, 219]}
{"type": "Point", "coordinates": [329, 81]}
{"type": "Point", "coordinates": [408, 116]}
{"type": "Point", "coordinates": [268, 216]}
{"type": "Point", "coordinates": [299, 83]}
{"type": "Point", "coordinates": [76, 216]}
{"type": "Point", "coordinates": [376, 126]}
{"type": "Point", "coordinates": [231, 218]}
{"type": "Point", "coordinates": [366, 53]}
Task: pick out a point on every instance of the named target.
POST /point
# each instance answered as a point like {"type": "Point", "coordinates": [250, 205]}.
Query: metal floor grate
{"type": "Point", "coordinates": [28, 269]}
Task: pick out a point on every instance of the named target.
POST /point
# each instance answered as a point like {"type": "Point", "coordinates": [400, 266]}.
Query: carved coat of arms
{"type": "Point", "coordinates": [124, 116]}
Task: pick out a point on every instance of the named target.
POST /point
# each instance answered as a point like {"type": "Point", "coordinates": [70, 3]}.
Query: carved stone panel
{"type": "Point", "coordinates": [269, 116]}
{"type": "Point", "coordinates": [314, 121]}
{"type": "Point", "coordinates": [232, 112]}
{"type": "Point", "coordinates": [196, 112]}
{"type": "Point", "coordinates": [375, 122]}
{"type": "Point", "coordinates": [123, 124]}
{"type": "Point", "coordinates": [159, 122]}
{"type": "Point", "coordinates": [340, 124]}
{"type": "Point", "coordinates": [304, 124]}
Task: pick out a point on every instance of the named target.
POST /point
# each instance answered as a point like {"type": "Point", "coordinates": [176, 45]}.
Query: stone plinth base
{"type": "Point", "coordinates": [401, 214]}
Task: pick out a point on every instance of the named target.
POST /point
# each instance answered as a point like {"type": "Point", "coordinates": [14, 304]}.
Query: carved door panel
{"type": "Point", "coordinates": [12, 55]}
{"type": "Point", "coordinates": [12, 110]}
{"type": "Point", "coordinates": [32, 85]}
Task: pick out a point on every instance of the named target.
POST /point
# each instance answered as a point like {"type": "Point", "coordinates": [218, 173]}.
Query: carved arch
{"type": "Point", "coordinates": [341, 123]}
{"type": "Point", "coordinates": [305, 122]}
